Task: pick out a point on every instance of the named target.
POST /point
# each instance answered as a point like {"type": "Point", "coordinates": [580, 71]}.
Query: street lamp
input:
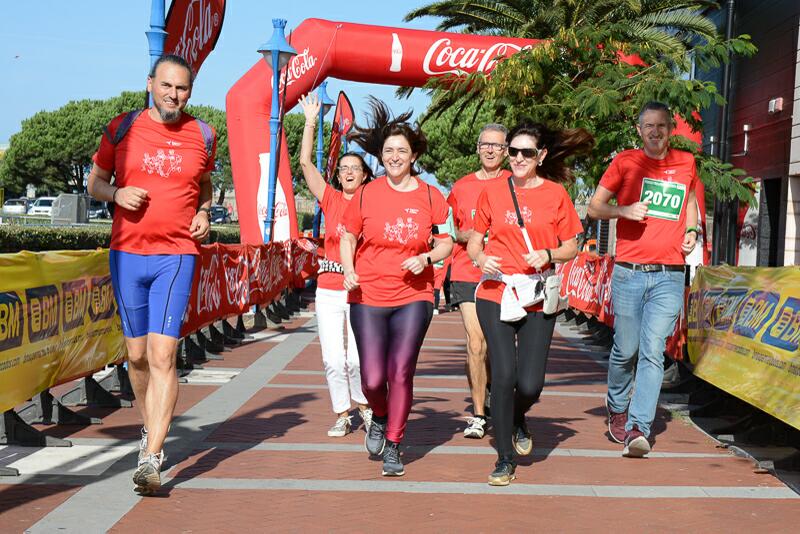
{"type": "Point", "coordinates": [325, 105]}
{"type": "Point", "coordinates": [277, 52]}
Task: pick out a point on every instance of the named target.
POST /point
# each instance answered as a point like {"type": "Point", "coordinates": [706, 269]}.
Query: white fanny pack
{"type": "Point", "coordinates": [521, 291]}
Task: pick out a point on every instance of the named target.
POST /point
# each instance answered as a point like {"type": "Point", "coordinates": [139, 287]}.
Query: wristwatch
{"type": "Point", "coordinates": [428, 258]}
{"type": "Point", "coordinates": [207, 210]}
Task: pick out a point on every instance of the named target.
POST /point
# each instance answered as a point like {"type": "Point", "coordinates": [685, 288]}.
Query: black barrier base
{"type": "Point", "coordinates": [8, 472]}
{"type": "Point", "coordinates": [290, 302]}
{"type": "Point", "coordinates": [90, 393]}
{"type": "Point", "coordinates": [272, 317]}
{"type": "Point", "coordinates": [118, 381]}
{"type": "Point", "coordinates": [240, 327]}
{"type": "Point", "coordinates": [15, 431]}
{"type": "Point", "coordinates": [280, 310]}
{"type": "Point", "coordinates": [232, 333]}
{"type": "Point", "coordinates": [217, 336]}
{"type": "Point", "coordinates": [196, 353]}
{"type": "Point", "coordinates": [48, 410]}
{"type": "Point", "coordinates": [210, 347]}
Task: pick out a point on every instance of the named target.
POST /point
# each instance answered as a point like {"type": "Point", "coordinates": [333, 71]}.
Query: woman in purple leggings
{"type": "Point", "coordinates": [388, 271]}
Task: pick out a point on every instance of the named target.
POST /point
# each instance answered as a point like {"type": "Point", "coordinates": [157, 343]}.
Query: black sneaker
{"type": "Point", "coordinates": [523, 442]}
{"type": "Point", "coordinates": [503, 473]}
{"type": "Point", "coordinates": [375, 440]}
{"type": "Point", "coordinates": [392, 465]}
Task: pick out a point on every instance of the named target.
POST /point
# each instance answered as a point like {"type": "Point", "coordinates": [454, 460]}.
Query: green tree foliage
{"type": "Point", "coordinates": [222, 177]}
{"type": "Point", "coordinates": [575, 77]}
{"type": "Point", "coordinates": [452, 143]}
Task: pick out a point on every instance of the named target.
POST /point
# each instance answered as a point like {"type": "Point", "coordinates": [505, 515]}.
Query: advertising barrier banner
{"type": "Point", "coordinates": [58, 320]}
{"type": "Point", "coordinates": [744, 335]}
{"type": "Point", "coordinates": [230, 279]}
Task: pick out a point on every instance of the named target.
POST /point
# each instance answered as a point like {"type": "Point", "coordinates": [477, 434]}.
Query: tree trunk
{"type": "Point", "coordinates": [221, 197]}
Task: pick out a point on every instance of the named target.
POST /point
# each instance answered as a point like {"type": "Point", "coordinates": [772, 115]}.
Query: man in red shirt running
{"type": "Point", "coordinates": [162, 195]}
{"type": "Point", "coordinates": [465, 275]}
{"type": "Point", "coordinates": [657, 227]}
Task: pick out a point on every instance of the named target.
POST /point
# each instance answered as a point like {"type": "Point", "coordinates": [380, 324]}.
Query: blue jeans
{"type": "Point", "coordinates": [646, 307]}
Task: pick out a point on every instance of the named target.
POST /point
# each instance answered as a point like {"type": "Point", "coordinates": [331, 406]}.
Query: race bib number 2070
{"type": "Point", "coordinates": [666, 198]}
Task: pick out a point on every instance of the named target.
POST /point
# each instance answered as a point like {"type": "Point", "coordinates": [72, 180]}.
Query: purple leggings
{"type": "Point", "coordinates": [388, 340]}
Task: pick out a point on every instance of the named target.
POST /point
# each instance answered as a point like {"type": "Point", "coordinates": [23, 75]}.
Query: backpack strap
{"type": "Point", "coordinates": [208, 136]}
{"type": "Point", "coordinates": [127, 121]}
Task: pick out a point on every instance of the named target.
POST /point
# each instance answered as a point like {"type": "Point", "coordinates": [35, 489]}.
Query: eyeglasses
{"type": "Point", "coordinates": [491, 146]}
{"type": "Point", "coordinates": [351, 168]}
{"type": "Point", "coordinates": [527, 153]}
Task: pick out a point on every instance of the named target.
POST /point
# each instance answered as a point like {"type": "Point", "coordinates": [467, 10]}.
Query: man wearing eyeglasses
{"type": "Point", "coordinates": [465, 275]}
{"type": "Point", "coordinates": [656, 214]}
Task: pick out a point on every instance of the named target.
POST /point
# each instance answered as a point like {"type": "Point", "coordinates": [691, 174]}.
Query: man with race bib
{"type": "Point", "coordinates": [657, 227]}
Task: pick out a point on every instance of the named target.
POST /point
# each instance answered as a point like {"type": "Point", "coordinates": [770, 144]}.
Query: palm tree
{"type": "Point", "coordinates": [669, 26]}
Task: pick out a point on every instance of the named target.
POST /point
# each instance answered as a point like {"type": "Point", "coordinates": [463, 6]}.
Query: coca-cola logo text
{"type": "Point", "coordinates": [443, 58]}
{"type": "Point", "coordinates": [237, 282]}
{"type": "Point", "coordinates": [198, 30]}
{"type": "Point", "coordinates": [208, 290]}
{"type": "Point", "coordinates": [297, 67]}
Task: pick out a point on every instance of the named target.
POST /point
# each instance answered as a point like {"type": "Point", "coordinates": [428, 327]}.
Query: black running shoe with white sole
{"type": "Point", "coordinates": [392, 464]}
{"type": "Point", "coordinates": [375, 440]}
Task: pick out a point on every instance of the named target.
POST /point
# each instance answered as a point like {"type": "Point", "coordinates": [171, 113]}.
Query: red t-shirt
{"type": "Point", "coordinates": [549, 216]}
{"type": "Point", "coordinates": [632, 176]}
{"type": "Point", "coordinates": [167, 160]}
{"type": "Point", "coordinates": [393, 226]}
{"type": "Point", "coordinates": [333, 207]}
{"type": "Point", "coordinates": [464, 201]}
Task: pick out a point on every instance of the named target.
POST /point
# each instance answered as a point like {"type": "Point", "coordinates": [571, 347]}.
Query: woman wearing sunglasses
{"type": "Point", "coordinates": [333, 312]}
{"type": "Point", "coordinates": [388, 269]}
{"type": "Point", "coordinates": [532, 224]}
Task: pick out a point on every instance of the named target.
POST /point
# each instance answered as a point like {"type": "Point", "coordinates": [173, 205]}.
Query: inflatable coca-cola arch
{"type": "Point", "coordinates": [356, 52]}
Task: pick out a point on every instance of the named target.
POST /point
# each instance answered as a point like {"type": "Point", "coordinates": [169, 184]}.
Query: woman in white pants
{"type": "Point", "coordinates": [333, 312]}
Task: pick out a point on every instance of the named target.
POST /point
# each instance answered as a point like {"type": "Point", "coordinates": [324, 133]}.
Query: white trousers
{"type": "Point", "coordinates": [342, 368]}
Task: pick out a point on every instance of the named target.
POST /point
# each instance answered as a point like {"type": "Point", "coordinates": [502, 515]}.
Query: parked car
{"type": "Point", "coordinates": [15, 206]}
{"type": "Point", "coordinates": [98, 210]}
{"type": "Point", "coordinates": [42, 206]}
{"type": "Point", "coordinates": [219, 215]}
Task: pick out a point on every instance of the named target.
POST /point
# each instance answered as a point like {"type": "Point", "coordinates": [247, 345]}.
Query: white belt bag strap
{"type": "Point", "coordinates": [521, 291]}
{"type": "Point", "coordinates": [553, 302]}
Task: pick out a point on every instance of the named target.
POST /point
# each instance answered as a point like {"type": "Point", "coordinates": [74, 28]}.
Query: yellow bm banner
{"type": "Point", "coordinates": [744, 335]}
{"type": "Point", "coordinates": [58, 320]}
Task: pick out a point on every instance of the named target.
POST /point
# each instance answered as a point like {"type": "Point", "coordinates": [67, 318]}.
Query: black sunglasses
{"type": "Point", "coordinates": [527, 153]}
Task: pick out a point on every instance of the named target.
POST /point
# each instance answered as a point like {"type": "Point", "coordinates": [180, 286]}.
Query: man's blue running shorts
{"type": "Point", "coordinates": [152, 291]}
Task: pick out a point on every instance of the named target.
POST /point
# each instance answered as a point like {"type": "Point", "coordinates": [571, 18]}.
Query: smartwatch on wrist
{"type": "Point", "coordinates": [207, 210]}
{"type": "Point", "coordinates": [428, 259]}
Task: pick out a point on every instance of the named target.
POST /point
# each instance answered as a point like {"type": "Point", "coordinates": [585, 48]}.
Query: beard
{"type": "Point", "coordinates": [168, 115]}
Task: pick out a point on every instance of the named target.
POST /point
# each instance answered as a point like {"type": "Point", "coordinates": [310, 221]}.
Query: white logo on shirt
{"type": "Point", "coordinates": [401, 231]}
{"type": "Point", "coordinates": [511, 216]}
{"type": "Point", "coordinates": [170, 142]}
{"type": "Point", "coordinates": [412, 211]}
{"type": "Point", "coordinates": [670, 171]}
{"type": "Point", "coordinates": [162, 163]}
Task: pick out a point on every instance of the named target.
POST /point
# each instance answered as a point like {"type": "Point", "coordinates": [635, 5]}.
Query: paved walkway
{"type": "Point", "coordinates": [249, 450]}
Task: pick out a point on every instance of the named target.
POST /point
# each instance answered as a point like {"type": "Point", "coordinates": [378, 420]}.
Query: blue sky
{"type": "Point", "coordinates": [53, 51]}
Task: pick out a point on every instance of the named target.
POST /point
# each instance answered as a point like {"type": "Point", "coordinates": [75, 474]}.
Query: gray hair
{"type": "Point", "coordinates": [493, 127]}
{"type": "Point", "coordinates": [655, 106]}
{"type": "Point", "coordinates": [175, 60]}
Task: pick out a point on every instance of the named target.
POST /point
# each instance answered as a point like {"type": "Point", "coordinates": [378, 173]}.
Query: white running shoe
{"type": "Point", "coordinates": [341, 428]}
{"type": "Point", "coordinates": [476, 428]}
{"type": "Point", "coordinates": [366, 416]}
{"type": "Point", "coordinates": [147, 476]}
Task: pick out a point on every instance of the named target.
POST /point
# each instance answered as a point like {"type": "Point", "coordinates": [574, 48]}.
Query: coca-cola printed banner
{"type": "Point", "coordinates": [342, 122]}
{"type": "Point", "coordinates": [229, 279]}
{"type": "Point", "coordinates": [304, 260]}
{"type": "Point", "coordinates": [193, 28]}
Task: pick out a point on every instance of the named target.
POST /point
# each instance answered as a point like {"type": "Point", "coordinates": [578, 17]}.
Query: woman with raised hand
{"type": "Point", "coordinates": [532, 224]}
{"type": "Point", "coordinates": [388, 269]}
{"type": "Point", "coordinates": [333, 312]}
